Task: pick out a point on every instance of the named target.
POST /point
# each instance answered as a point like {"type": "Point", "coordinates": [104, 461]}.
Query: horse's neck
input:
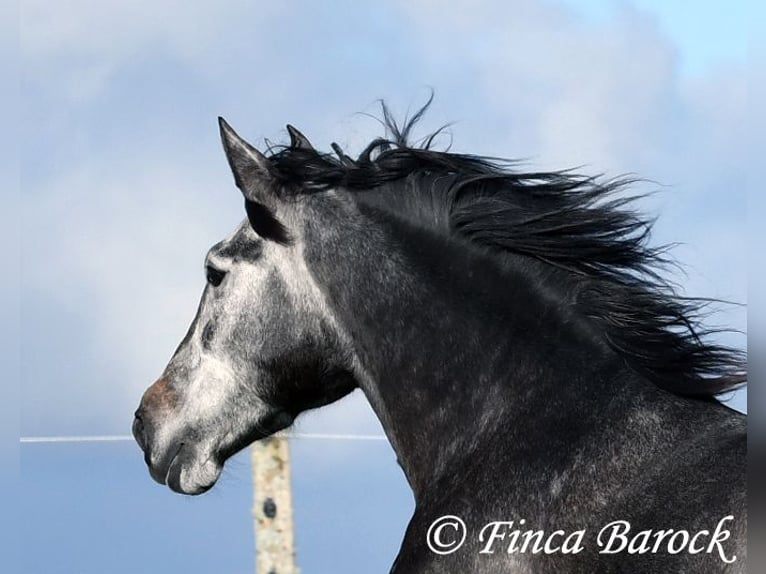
{"type": "Point", "coordinates": [452, 351]}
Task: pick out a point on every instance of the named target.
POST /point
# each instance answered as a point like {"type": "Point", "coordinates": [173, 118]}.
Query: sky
{"type": "Point", "coordinates": [124, 188]}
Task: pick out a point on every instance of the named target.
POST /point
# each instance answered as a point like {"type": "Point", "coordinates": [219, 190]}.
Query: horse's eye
{"type": "Point", "coordinates": [214, 276]}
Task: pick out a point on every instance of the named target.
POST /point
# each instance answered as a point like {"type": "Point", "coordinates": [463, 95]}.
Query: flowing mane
{"type": "Point", "coordinates": [579, 226]}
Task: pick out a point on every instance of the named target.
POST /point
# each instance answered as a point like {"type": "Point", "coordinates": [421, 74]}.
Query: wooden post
{"type": "Point", "coordinates": [273, 507]}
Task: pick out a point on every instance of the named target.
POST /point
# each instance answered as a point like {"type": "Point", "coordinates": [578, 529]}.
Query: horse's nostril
{"type": "Point", "coordinates": [138, 431]}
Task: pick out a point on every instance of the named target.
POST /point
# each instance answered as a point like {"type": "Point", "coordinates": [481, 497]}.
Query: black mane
{"type": "Point", "coordinates": [582, 225]}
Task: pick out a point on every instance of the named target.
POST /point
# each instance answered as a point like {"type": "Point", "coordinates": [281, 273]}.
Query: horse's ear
{"type": "Point", "coordinates": [252, 170]}
{"type": "Point", "coordinates": [297, 139]}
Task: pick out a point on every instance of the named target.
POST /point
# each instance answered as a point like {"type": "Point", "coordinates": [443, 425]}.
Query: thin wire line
{"type": "Point", "coordinates": [330, 436]}
{"type": "Point", "coordinates": [121, 438]}
{"type": "Point", "coordinates": [94, 438]}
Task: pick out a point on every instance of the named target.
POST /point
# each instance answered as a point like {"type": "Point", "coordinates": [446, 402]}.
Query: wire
{"type": "Point", "coordinates": [94, 438]}
{"type": "Point", "coordinates": [121, 438]}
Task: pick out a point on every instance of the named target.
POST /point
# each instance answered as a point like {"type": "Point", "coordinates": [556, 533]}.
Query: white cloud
{"type": "Point", "coordinates": [567, 91]}
{"type": "Point", "coordinates": [122, 252]}
{"type": "Point", "coordinates": [80, 44]}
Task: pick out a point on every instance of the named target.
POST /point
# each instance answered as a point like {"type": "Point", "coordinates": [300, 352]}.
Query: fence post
{"type": "Point", "coordinates": [273, 507]}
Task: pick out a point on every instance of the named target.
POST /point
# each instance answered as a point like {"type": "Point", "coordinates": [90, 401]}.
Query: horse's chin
{"type": "Point", "coordinates": [192, 474]}
{"type": "Point", "coordinates": [190, 467]}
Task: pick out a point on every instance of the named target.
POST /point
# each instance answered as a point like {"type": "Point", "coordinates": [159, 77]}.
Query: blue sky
{"type": "Point", "coordinates": [704, 34]}
{"type": "Point", "coordinates": [124, 187]}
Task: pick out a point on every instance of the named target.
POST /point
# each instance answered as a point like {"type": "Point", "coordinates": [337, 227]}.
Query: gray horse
{"type": "Point", "coordinates": [551, 400]}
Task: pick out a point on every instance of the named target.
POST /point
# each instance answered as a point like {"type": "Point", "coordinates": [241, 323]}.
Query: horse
{"type": "Point", "coordinates": [554, 403]}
